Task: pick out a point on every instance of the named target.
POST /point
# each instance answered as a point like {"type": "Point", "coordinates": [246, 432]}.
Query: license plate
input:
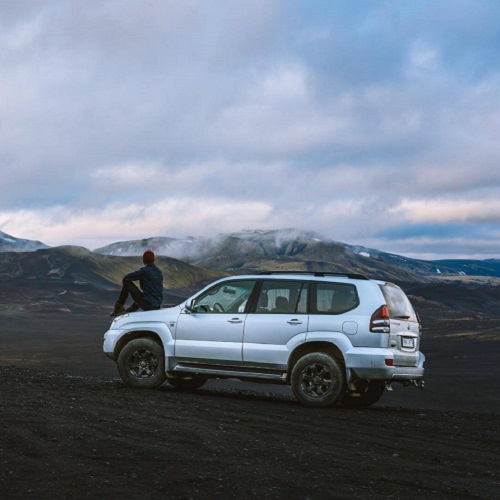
{"type": "Point", "coordinates": [407, 342]}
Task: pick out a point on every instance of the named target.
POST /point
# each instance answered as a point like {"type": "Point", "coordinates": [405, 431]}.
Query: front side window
{"type": "Point", "coordinates": [335, 298]}
{"type": "Point", "coordinates": [281, 297]}
{"type": "Point", "coordinates": [228, 297]}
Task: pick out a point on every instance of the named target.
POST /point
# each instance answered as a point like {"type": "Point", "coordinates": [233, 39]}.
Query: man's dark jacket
{"type": "Point", "coordinates": [151, 282]}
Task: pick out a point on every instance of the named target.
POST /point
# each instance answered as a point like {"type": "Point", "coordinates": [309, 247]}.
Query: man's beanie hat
{"type": "Point", "coordinates": [148, 257]}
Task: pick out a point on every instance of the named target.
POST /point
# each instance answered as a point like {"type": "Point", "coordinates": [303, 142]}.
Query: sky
{"type": "Point", "coordinates": [371, 122]}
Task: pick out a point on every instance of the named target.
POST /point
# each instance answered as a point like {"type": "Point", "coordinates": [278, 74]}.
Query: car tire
{"type": "Point", "coordinates": [187, 383]}
{"type": "Point", "coordinates": [318, 380]}
{"type": "Point", "coordinates": [367, 393]}
{"type": "Point", "coordinates": [141, 363]}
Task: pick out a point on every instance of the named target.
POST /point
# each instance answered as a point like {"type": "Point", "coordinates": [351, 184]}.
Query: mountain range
{"type": "Point", "coordinates": [38, 278]}
{"type": "Point", "coordinates": [291, 249]}
{"type": "Point", "coordinates": [285, 249]}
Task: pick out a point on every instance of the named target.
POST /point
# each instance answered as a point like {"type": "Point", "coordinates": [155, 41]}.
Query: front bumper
{"type": "Point", "coordinates": [109, 342]}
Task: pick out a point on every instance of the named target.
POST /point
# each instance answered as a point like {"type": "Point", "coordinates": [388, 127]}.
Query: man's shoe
{"type": "Point", "coordinates": [115, 315]}
{"type": "Point", "coordinates": [119, 309]}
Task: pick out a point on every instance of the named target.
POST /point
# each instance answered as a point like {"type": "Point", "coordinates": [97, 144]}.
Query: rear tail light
{"type": "Point", "coordinates": [380, 321]}
{"type": "Point", "coordinates": [419, 323]}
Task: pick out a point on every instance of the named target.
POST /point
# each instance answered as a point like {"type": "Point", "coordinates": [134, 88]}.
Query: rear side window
{"type": "Point", "coordinates": [398, 303]}
{"type": "Point", "coordinates": [334, 298]}
{"type": "Point", "coordinates": [281, 297]}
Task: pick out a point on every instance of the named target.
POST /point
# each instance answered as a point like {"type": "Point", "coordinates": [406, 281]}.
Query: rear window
{"type": "Point", "coordinates": [398, 303]}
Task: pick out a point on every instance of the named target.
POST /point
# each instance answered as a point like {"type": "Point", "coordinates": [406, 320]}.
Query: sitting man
{"type": "Point", "coordinates": [150, 295]}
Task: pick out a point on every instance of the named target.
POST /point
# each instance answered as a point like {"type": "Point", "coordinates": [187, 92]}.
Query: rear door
{"type": "Point", "coordinates": [334, 308]}
{"type": "Point", "coordinates": [276, 323]}
{"type": "Point", "coordinates": [404, 334]}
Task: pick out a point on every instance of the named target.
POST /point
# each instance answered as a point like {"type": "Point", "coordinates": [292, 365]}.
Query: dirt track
{"type": "Point", "coordinates": [84, 435]}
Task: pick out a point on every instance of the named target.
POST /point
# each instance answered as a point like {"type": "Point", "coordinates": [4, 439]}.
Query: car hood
{"type": "Point", "coordinates": [162, 315]}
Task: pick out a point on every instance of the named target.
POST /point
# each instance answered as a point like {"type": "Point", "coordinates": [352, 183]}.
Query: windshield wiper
{"type": "Point", "coordinates": [401, 317]}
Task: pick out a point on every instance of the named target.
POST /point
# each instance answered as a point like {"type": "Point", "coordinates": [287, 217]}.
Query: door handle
{"type": "Point", "coordinates": [235, 320]}
{"type": "Point", "coordinates": [294, 322]}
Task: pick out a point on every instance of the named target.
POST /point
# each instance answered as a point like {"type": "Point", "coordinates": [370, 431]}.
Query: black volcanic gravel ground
{"type": "Point", "coordinates": [70, 429]}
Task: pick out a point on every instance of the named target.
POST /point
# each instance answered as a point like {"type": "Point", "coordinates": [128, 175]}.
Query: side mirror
{"type": "Point", "coordinates": [189, 306]}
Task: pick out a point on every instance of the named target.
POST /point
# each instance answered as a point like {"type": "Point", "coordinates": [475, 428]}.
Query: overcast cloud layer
{"type": "Point", "coordinates": [372, 122]}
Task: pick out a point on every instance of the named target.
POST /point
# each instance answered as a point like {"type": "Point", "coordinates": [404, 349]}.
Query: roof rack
{"type": "Point", "coordinates": [320, 274]}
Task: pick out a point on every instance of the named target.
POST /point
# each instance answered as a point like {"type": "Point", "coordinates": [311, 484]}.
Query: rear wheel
{"type": "Point", "coordinates": [367, 393]}
{"type": "Point", "coordinates": [318, 380]}
{"type": "Point", "coordinates": [187, 383]}
{"type": "Point", "coordinates": [141, 363]}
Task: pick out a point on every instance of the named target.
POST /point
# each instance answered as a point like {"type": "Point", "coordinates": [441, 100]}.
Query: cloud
{"type": "Point", "coordinates": [321, 115]}
{"type": "Point", "coordinates": [130, 175]}
{"type": "Point", "coordinates": [95, 227]}
{"type": "Point", "coordinates": [423, 56]}
{"type": "Point", "coordinates": [454, 211]}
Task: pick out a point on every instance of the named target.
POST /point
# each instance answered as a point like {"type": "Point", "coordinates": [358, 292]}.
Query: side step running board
{"type": "Point", "coordinates": [231, 373]}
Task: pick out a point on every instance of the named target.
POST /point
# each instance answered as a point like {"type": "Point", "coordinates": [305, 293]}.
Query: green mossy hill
{"type": "Point", "coordinates": [73, 264]}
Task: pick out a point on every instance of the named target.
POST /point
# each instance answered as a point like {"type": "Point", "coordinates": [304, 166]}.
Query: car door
{"type": "Point", "coordinates": [276, 324]}
{"type": "Point", "coordinates": [212, 332]}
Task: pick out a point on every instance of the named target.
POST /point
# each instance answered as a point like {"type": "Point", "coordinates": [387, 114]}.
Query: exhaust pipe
{"type": "Point", "coordinates": [420, 383]}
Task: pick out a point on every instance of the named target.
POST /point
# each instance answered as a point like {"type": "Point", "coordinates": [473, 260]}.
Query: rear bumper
{"type": "Point", "coordinates": [380, 364]}
{"type": "Point", "coordinates": [392, 373]}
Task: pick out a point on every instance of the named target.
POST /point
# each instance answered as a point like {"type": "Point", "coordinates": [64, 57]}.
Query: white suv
{"type": "Point", "coordinates": [335, 339]}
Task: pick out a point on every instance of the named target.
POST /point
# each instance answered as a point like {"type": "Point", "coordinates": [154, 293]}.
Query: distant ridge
{"type": "Point", "coordinates": [9, 243]}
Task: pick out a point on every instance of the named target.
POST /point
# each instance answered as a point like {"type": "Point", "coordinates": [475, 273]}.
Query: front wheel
{"type": "Point", "coordinates": [141, 363]}
{"type": "Point", "coordinates": [367, 393]}
{"type": "Point", "coordinates": [318, 379]}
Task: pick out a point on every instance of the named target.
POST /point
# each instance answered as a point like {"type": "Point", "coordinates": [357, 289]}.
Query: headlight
{"type": "Point", "coordinates": [116, 320]}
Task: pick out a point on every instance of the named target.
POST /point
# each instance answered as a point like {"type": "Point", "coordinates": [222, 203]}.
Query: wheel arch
{"type": "Point", "coordinates": [315, 346]}
{"type": "Point", "coordinates": [135, 334]}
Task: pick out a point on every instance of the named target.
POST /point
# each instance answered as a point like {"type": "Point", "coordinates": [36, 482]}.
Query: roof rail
{"type": "Point", "coordinates": [321, 274]}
